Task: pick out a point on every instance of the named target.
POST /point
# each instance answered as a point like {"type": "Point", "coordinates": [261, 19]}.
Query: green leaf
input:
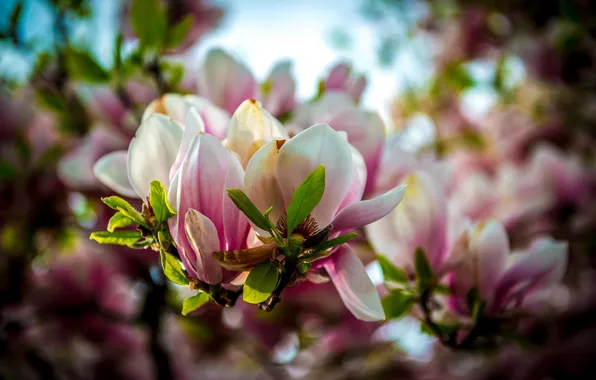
{"type": "Point", "coordinates": [192, 303]}
{"type": "Point", "coordinates": [424, 271]}
{"type": "Point", "coordinates": [119, 204]}
{"type": "Point", "coordinates": [81, 65]}
{"type": "Point", "coordinates": [396, 304]}
{"type": "Point", "coordinates": [178, 33]}
{"type": "Point", "coordinates": [127, 238]}
{"type": "Point", "coordinates": [391, 272]}
{"type": "Point", "coordinates": [260, 283]}
{"type": "Point", "coordinates": [248, 208]}
{"type": "Point", "coordinates": [148, 21]}
{"type": "Point", "coordinates": [158, 198]}
{"type": "Point", "coordinates": [172, 268]}
{"type": "Point", "coordinates": [142, 244]}
{"type": "Point", "coordinates": [306, 197]}
{"type": "Point", "coordinates": [337, 241]}
{"type": "Point", "coordinates": [119, 220]}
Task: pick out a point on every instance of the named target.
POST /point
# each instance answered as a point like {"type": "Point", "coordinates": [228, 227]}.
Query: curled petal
{"type": "Point", "coordinates": [111, 171]}
{"type": "Point", "coordinates": [354, 286]}
{"type": "Point", "coordinates": [303, 153]}
{"type": "Point", "coordinates": [203, 239]}
{"type": "Point", "coordinates": [362, 213]}
{"type": "Point", "coordinates": [152, 152]}
{"type": "Point", "coordinates": [251, 127]}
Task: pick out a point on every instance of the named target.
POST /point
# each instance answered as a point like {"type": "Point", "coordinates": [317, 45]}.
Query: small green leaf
{"type": "Point", "coordinates": [119, 204]}
{"type": "Point", "coordinates": [119, 220]}
{"type": "Point", "coordinates": [148, 21]}
{"type": "Point", "coordinates": [126, 238]}
{"type": "Point", "coordinates": [248, 208]}
{"type": "Point", "coordinates": [260, 283]}
{"type": "Point", "coordinates": [172, 268]}
{"type": "Point", "coordinates": [81, 65]}
{"type": "Point", "coordinates": [336, 241]}
{"type": "Point", "coordinates": [142, 244]}
{"type": "Point", "coordinates": [178, 33]}
{"type": "Point", "coordinates": [159, 202]}
{"type": "Point", "coordinates": [304, 267]}
{"type": "Point", "coordinates": [192, 303]}
{"type": "Point", "coordinates": [396, 304]}
{"type": "Point", "coordinates": [424, 271]}
{"type": "Point", "coordinates": [306, 197]}
{"type": "Point", "coordinates": [391, 272]}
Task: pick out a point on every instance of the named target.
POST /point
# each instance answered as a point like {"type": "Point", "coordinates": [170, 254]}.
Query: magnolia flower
{"type": "Point", "coordinates": [278, 91]}
{"type": "Point", "coordinates": [225, 81]}
{"type": "Point", "coordinates": [365, 130]}
{"type": "Point", "coordinates": [421, 221]}
{"type": "Point", "coordinates": [341, 79]}
{"type": "Point", "coordinates": [503, 279]}
{"type": "Point", "coordinates": [278, 168]}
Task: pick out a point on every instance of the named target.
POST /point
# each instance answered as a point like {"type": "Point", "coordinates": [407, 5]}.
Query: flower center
{"type": "Point", "coordinates": [307, 228]}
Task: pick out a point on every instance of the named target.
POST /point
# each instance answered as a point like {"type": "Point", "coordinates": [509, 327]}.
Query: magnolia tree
{"type": "Point", "coordinates": [162, 220]}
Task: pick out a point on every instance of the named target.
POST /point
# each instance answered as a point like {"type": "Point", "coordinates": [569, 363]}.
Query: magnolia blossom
{"type": "Point", "coordinates": [501, 278]}
{"type": "Point", "coordinates": [342, 79]}
{"type": "Point", "coordinates": [227, 82]}
{"type": "Point", "coordinates": [365, 130]}
{"type": "Point", "coordinates": [278, 168]}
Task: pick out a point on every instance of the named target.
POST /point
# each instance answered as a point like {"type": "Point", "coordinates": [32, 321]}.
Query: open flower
{"type": "Point", "coordinates": [279, 167]}
{"type": "Point", "coordinates": [503, 279]}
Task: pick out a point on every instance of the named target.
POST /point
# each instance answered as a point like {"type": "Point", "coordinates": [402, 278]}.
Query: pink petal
{"type": "Point", "coordinates": [543, 265]}
{"type": "Point", "coordinates": [279, 97]}
{"type": "Point", "coordinates": [203, 239]}
{"type": "Point", "coordinates": [225, 81]}
{"type": "Point", "coordinates": [354, 286]}
{"type": "Point", "coordinates": [236, 224]}
{"type": "Point", "coordinates": [362, 213]}
{"type": "Point", "coordinates": [303, 153]}
{"type": "Point", "coordinates": [193, 126]}
{"type": "Point", "coordinates": [491, 248]}
{"type": "Point", "coordinates": [358, 180]}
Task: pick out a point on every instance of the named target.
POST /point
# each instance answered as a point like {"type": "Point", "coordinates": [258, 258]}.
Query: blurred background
{"type": "Point", "coordinates": [502, 91]}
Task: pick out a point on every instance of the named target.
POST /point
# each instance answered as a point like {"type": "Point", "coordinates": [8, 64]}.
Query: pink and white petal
{"type": "Point", "coordinates": [111, 171]}
{"type": "Point", "coordinates": [355, 288]}
{"type": "Point", "coordinates": [152, 152]}
{"type": "Point", "coordinates": [489, 245]}
{"type": "Point", "coordinates": [362, 213]}
{"type": "Point", "coordinates": [358, 180]}
{"type": "Point", "coordinates": [202, 179]}
{"type": "Point", "coordinates": [236, 226]}
{"type": "Point", "coordinates": [298, 157]}
{"type": "Point", "coordinates": [261, 184]}
{"type": "Point", "coordinates": [193, 126]}
{"type": "Point", "coordinates": [252, 126]}
{"type": "Point", "coordinates": [421, 219]}
{"type": "Point", "coordinates": [543, 265]}
{"type": "Point", "coordinates": [204, 240]}
{"type": "Point", "coordinates": [338, 76]}
{"type": "Point", "coordinates": [278, 91]}
{"type": "Point", "coordinates": [216, 119]}
{"type": "Point", "coordinates": [225, 81]}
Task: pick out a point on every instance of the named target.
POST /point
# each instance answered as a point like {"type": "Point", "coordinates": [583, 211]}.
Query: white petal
{"type": "Point", "coordinates": [317, 145]}
{"type": "Point", "coordinates": [250, 128]}
{"type": "Point", "coordinates": [111, 171]}
{"type": "Point", "coordinates": [152, 152]}
{"type": "Point", "coordinates": [354, 286]}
